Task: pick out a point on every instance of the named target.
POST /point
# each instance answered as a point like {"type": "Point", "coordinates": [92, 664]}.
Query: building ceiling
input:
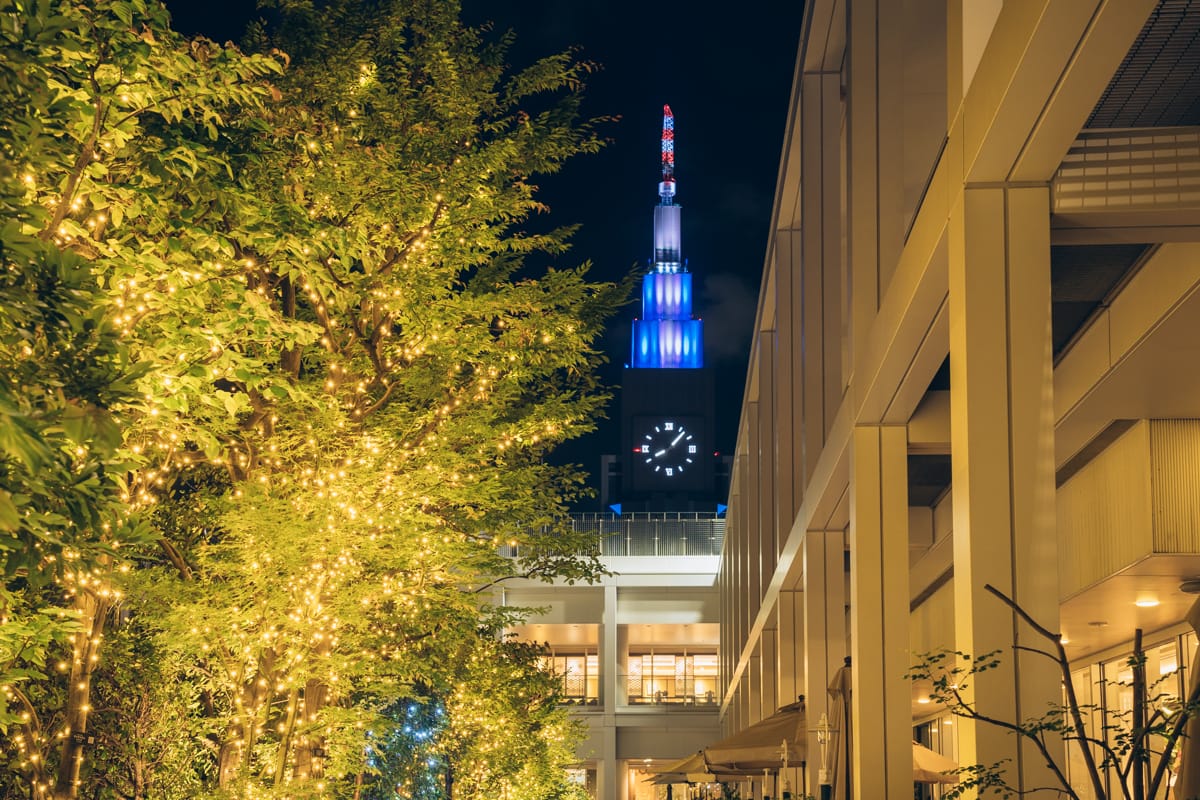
{"type": "Point", "coordinates": [1158, 83]}
{"type": "Point", "coordinates": [928, 479]}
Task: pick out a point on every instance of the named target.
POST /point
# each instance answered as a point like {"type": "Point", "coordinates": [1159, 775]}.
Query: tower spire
{"type": "Point", "coordinates": [667, 336]}
{"type": "Point", "coordinates": [666, 189]}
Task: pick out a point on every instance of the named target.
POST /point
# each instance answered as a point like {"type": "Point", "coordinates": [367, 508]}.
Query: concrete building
{"type": "Point", "coordinates": [974, 363]}
{"type": "Point", "coordinates": [637, 652]}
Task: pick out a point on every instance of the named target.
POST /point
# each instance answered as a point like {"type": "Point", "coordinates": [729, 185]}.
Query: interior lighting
{"type": "Point", "coordinates": [1146, 601]}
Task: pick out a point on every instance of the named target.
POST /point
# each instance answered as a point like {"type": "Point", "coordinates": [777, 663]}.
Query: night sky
{"type": "Point", "coordinates": [726, 71]}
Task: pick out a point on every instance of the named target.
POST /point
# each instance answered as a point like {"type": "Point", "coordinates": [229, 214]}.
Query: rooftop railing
{"type": "Point", "coordinates": [651, 534]}
{"type": "Point", "coordinates": [655, 534]}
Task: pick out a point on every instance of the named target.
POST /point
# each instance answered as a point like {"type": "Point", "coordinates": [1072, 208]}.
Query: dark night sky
{"type": "Point", "coordinates": [726, 71]}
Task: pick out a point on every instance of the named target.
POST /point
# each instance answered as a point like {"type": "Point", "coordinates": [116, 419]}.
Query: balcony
{"type": "Point", "coordinates": [649, 534]}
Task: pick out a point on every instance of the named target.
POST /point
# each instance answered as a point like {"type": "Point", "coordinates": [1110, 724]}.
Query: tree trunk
{"type": "Point", "coordinates": [1140, 754]}
{"type": "Point", "coordinates": [316, 695]}
{"type": "Point", "coordinates": [92, 613]}
{"type": "Point", "coordinates": [285, 741]}
{"type": "Point", "coordinates": [238, 747]}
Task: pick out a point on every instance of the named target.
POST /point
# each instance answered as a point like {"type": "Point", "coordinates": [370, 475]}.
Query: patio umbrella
{"type": "Point", "coordinates": [929, 766]}
{"type": "Point", "coordinates": [761, 745]}
{"type": "Point", "coordinates": [839, 762]}
{"type": "Point", "coordinates": [689, 769]}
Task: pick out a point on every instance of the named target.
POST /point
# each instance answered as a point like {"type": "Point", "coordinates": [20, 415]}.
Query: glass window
{"type": "Point", "coordinates": [580, 676]}
{"type": "Point", "coordinates": [673, 678]}
{"type": "Point", "coordinates": [1163, 692]}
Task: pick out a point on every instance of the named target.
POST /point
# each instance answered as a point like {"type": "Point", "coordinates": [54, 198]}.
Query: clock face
{"type": "Point", "coordinates": [667, 448]}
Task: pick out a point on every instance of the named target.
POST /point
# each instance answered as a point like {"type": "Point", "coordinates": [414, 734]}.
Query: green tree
{"type": "Point", "coordinates": [379, 463]}
{"type": "Point", "coordinates": [84, 187]}
{"type": "Point", "coordinates": [346, 377]}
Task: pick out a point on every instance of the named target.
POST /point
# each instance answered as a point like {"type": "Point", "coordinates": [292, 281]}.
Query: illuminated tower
{"type": "Point", "coordinates": [667, 461]}
{"type": "Point", "coordinates": [667, 336]}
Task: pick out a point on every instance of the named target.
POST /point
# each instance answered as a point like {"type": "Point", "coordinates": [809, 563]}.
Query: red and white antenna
{"type": "Point", "coordinates": [666, 189]}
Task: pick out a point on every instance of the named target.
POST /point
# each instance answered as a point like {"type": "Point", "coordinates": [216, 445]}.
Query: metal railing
{"type": "Point", "coordinates": [650, 534]}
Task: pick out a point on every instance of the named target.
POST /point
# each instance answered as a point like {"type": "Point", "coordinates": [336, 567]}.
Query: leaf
{"type": "Point", "coordinates": [10, 517]}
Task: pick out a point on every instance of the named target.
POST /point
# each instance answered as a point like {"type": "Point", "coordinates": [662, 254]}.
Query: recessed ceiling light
{"type": "Point", "coordinates": [1146, 601]}
{"type": "Point", "coordinates": [1064, 639]}
{"type": "Point", "coordinates": [923, 700]}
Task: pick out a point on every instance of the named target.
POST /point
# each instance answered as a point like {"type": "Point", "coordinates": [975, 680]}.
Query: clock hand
{"type": "Point", "coordinates": [660, 452]}
{"type": "Point", "coordinates": [675, 441]}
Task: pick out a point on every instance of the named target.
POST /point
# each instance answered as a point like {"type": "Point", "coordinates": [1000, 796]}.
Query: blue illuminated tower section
{"type": "Point", "coordinates": [667, 336]}
{"type": "Point", "coordinates": [667, 461]}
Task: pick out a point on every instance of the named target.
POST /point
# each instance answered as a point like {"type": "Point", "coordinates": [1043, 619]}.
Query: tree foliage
{"type": "Point", "coordinates": [274, 345]}
{"type": "Point", "coordinates": [1137, 748]}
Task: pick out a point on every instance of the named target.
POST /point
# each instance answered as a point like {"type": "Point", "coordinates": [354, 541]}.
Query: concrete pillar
{"type": "Point", "coordinates": [621, 668]}
{"type": "Point", "coordinates": [821, 255]}
{"type": "Point", "coordinates": [824, 622]}
{"type": "Point", "coordinates": [755, 585]}
{"type": "Point", "coordinates": [789, 389]}
{"type": "Point", "coordinates": [770, 673]}
{"type": "Point", "coordinates": [791, 645]}
{"type": "Point", "coordinates": [881, 707]}
{"type": "Point", "coordinates": [608, 652]}
{"type": "Point", "coordinates": [609, 785]}
{"type": "Point", "coordinates": [862, 169]}
{"type": "Point", "coordinates": [1002, 450]}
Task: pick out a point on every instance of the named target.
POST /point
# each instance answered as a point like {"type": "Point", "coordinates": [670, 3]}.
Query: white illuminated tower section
{"type": "Point", "coordinates": [667, 336]}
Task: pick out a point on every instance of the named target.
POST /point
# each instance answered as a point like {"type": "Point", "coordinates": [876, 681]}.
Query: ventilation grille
{"type": "Point", "coordinates": [1158, 83]}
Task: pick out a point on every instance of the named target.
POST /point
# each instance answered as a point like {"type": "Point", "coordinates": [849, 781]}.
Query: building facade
{"type": "Point", "coordinates": [973, 366]}
{"type": "Point", "coordinates": [637, 652]}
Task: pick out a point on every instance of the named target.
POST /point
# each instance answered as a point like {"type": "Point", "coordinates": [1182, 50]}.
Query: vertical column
{"type": "Point", "coordinates": [608, 652]}
{"type": "Point", "coordinates": [820, 283]}
{"type": "Point", "coordinates": [790, 655]}
{"type": "Point", "coordinates": [753, 691]}
{"type": "Point", "coordinates": [862, 168]}
{"type": "Point", "coordinates": [769, 515]}
{"type": "Point", "coordinates": [789, 389]}
{"type": "Point", "coordinates": [881, 707]}
{"type": "Point", "coordinates": [824, 620]}
{"type": "Point", "coordinates": [608, 783]}
{"type": "Point", "coordinates": [770, 673]}
{"type": "Point", "coordinates": [820, 246]}
{"type": "Point", "coordinates": [1002, 450]}
{"type": "Point", "coordinates": [791, 644]}
{"type": "Point", "coordinates": [754, 514]}
{"type": "Point", "coordinates": [621, 667]}
{"type": "Point", "coordinates": [833, 376]}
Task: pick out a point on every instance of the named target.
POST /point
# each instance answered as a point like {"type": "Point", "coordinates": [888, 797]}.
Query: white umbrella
{"type": "Point", "coordinates": [930, 767]}
{"type": "Point", "coordinates": [762, 745]}
{"type": "Point", "coordinates": [689, 769]}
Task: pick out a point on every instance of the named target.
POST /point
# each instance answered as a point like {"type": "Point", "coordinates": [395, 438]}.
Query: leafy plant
{"type": "Point", "coordinates": [1137, 747]}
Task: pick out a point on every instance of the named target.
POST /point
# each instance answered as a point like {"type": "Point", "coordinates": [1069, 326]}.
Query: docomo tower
{"type": "Point", "coordinates": [667, 336]}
